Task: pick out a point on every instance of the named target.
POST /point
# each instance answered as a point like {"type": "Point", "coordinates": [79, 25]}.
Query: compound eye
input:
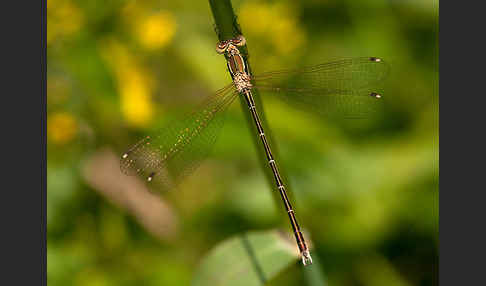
{"type": "Point", "coordinates": [239, 41]}
{"type": "Point", "coordinates": [221, 47]}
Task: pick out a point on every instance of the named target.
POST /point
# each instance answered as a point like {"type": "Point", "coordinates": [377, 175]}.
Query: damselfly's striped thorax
{"type": "Point", "coordinates": [236, 63]}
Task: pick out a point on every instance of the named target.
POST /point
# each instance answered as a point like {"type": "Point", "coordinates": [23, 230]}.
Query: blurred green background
{"type": "Point", "coordinates": [365, 191]}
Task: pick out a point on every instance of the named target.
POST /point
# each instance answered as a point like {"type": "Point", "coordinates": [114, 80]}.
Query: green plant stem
{"type": "Point", "coordinates": [227, 28]}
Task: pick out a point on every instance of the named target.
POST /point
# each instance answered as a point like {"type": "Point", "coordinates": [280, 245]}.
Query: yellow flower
{"type": "Point", "coordinates": [157, 30]}
{"type": "Point", "coordinates": [135, 83]}
{"type": "Point", "coordinates": [275, 23]}
{"type": "Point", "coordinates": [287, 37]}
{"type": "Point", "coordinates": [256, 18]}
{"type": "Point", "coordinates": [63, 19]}
{"type": "Point", "coordinates": [61, 127]}
{"type": "Point", "coordinates": [136, 102]}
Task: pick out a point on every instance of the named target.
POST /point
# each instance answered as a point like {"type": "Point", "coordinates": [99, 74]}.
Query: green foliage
{"type": "Point", "coordinates": [247, 259]}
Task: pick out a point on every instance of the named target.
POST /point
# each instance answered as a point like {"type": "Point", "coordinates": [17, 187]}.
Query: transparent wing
{"type": "Point", "coordinates": [348, 88]}
{"type": "Point", "coordinates": [178, 149]}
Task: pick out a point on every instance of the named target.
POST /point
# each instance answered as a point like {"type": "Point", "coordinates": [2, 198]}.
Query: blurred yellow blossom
{"type": "Point", "coordinates": [63, 19]}
{"type": "Point", "coordinates": [287, 36]}
{"type": "Point", "coordinates": [276, 23]}
{"type": "Point", "coordinates": [133, 10]}
{"type": "Point", "coordinates": [156, 30]}
{"type": "Point", "coordinates": [256, 17]}
{"type": "Point", "coordinates": [136, 100]}
{"type": "Point", "coordinates": [61, 127]}
{"type": "Point", "coordinates": [135, 83]}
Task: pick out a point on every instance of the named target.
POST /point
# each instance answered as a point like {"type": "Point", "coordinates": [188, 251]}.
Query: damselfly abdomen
{"type": "Point", "coordinates": [344, 88]}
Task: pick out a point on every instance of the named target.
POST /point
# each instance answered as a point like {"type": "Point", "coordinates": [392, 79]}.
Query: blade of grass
{"type": "Point", "coordinates": [227, 27]}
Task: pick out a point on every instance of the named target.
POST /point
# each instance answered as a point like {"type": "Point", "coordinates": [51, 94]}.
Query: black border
{"type": "Point", "coordinates": [462, 109]}
{"type": "Point", "coordinates": [43, 135]}
{"type": "Point", "coordinates": [24, 99]}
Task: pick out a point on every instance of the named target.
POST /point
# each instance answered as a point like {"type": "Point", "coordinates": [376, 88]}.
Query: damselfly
{"type": "Point", "coordinates": [343, 88]}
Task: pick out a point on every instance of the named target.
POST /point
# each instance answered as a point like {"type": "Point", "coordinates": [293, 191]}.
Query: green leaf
{"type": "Point", "coordinates": [249, 259]}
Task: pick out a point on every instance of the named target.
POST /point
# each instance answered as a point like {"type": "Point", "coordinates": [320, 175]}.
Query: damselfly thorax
{"type": "Point", "coordinates": [236, 64]}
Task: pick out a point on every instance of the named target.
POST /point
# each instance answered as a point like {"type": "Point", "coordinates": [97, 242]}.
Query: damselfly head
{"type": "Point", "coordinates": [375, 59]}
{"type": "Point", "coordinates": [239, 41]}
{"type": "Point", "coordinates": [221, 47]}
